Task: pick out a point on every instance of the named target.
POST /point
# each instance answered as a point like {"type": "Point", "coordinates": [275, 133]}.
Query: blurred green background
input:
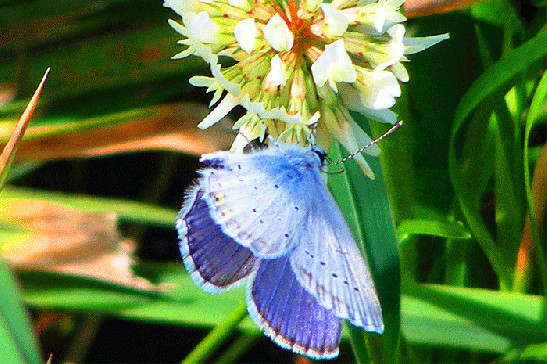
{"type": "Point", "coordinates": [87, 216]}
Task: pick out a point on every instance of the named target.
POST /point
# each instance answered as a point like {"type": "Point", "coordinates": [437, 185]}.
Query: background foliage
{"type": "Point", "coordinates": [86, 219]}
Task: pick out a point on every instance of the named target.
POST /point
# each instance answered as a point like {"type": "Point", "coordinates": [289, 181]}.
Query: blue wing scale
{"type": "Point", "coordinates": [214, 259]}
{"type": "Point", "coordinates": [289, 314]}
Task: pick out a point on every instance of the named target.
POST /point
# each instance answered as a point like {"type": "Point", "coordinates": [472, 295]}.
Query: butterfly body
{"type": "Point", "coordinates": [268, 216]}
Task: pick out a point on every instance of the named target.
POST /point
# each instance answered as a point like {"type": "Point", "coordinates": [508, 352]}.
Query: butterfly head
{"type": "Point", "coordinates": [320, 154]}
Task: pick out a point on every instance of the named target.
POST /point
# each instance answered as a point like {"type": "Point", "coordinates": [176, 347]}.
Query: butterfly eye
{"type": "Point", "coordinates": [322, 155]}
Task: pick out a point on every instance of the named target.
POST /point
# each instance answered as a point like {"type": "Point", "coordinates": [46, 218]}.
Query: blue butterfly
{"type": "Point", "coordinates": [268, 217]}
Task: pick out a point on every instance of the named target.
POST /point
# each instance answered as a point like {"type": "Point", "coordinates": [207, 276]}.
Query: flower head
{"type": "Point", "coordinates": [300, 65]}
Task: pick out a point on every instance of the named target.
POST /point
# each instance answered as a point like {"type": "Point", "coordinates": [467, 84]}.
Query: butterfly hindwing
{"type": "Point", "coordinates": [214, 259]}
{"type": "Point", "coordinates": [289, 314]}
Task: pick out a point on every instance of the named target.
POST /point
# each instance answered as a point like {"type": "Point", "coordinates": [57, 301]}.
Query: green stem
{"type": "Point", "coordinates": [238, 348]}
{"type": "Point", "coordinates": [534, 114]}
{"type": "Point", "coordinates": [217, 336]}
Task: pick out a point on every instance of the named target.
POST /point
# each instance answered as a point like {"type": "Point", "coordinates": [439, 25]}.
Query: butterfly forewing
{"type": "Point", "coordinates": [265, 220]}
{"type": "Point", "coordinates": [328, 263]}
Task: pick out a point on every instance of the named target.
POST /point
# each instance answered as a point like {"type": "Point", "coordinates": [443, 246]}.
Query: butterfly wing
{"type": "Point", "coordinates": [327, 262]}
{"type": "Point", "coordinates": [214, 260]}
{"type": "Point", "coordinates": [289, 314]}
{"type": "Point", "coordinates": [251, 197]}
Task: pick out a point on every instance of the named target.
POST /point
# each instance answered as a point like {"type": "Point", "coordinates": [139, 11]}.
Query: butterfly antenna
{"type": "Point", "coordinates": [388, 132]}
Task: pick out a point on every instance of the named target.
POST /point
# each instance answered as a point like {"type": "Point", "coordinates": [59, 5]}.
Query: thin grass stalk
{"type": "Point", "coordinates": [208, 346]}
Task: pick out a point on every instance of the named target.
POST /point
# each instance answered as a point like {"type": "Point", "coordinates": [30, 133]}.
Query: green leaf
{"type": "Point", "coordinates": [17, 342]}
{"type": "Point", "coordinates": [365, 205]}
{"type": "Point", "coordinates": [101, 62]}
{"type": "Point", "coordinates": [537, 109]}
{"type": "Point", "coordinates": [498, 78]}
{"type": "Point", "coordinates": [9, 348]}
{"type": "Point", "coordinates": [180, 303]}
{"type": "Point", "coordinates": [526, 354]}
{"type": "Point", "coordinates": [498, 13]}
{"type": "Point", "coordinates": [446, 229]}
{"type": "Point", "coordinates": [508, 186]}
{"type": "Point", "coordinates": [492, 84]}
{"type": "Point", "coordinates": [476, 319]}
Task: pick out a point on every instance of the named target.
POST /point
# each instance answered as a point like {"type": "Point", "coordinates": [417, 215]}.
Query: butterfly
{"type": "Point", "coordinates": [267, 217]}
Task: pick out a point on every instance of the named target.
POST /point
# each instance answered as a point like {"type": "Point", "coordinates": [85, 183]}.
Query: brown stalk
{"type": "Point", "coordinates": [11, 147]}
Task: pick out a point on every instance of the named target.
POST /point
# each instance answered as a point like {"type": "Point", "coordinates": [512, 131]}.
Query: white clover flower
{"type": "Point", "coordinates": [387, 12]}
{"type": "Point", "coordinates": [277, 75]}
{"type": "Point", "coordinates": [300, 66]}
{"type": "Point", "coordinates": [242, 4]}
{"type": "Point", "coordinates": [278, 35]}
{"type": "Point", "coordinates": [336, 22]}
{"type": "Point", "coordinates": [333, 65]}
{"type": "Point", "coordinates": [182, 7]}
{"type": "Point", "coordinates": [245, 32]}
{"type": "Point", "coordinates": [203, 28]}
